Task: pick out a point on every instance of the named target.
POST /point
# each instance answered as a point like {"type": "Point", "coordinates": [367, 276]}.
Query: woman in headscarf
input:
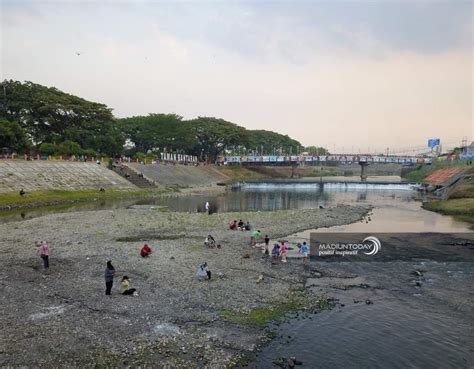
{"type": "Point", "coordinates": [109, 277]}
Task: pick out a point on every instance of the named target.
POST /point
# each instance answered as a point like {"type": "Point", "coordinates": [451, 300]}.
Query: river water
{"type": "Point", "coordinates": [410, 321]}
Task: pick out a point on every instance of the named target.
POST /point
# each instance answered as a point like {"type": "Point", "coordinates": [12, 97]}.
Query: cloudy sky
{"type": "Point", "coordinates": [348, 75]}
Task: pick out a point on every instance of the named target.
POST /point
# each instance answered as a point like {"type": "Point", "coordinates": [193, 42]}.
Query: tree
{"type": "Point", "coordinates": [215, 135]}
{"type": "Point", "coordinates": [273, 142]}
{"type": "Point", "coordinates": [163, 131]}
{"type": "Point", "coordinates": [315, 150]}
{"type": "Point", "coordinates": [50, 115]}
{"type": "Point", "coordinates": [13, 137]}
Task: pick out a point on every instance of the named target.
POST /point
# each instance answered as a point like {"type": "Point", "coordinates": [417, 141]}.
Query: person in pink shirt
{"type": "Point", "coordinates": [44, 253]}
{"type": "Point", "coordinates": [283, 252]}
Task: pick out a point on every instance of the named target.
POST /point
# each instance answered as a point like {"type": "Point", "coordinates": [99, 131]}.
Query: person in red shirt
{"type": "Point", "coordinates": [145, 251]}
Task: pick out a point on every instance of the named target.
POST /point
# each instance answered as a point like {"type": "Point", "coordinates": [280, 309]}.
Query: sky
{"type": "Point", "coordinates": [353, 76]}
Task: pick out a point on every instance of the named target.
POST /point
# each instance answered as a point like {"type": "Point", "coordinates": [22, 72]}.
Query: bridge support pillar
{"type": "Point", "coordinates": [363, 170]}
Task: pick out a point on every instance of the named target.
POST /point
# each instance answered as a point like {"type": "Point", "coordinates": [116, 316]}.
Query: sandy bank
{"type": "Point", "coordinates": [62, 318]}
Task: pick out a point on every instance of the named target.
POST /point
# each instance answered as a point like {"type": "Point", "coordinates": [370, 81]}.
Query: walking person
{"type": "Point", "coordinates": [304, 250]}
{"type": "Point", "coordinates": [109, 277]}
{"type": "Point", "coordinates": [267, 244]}
{"type": "Point", "coordinates": [44, 253]}
{"type": "Point", "coordinates": [208, 207]}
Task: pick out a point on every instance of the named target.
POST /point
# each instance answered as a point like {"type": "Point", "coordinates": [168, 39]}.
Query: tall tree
{"type": "Point", "coordinates": [316, 150]}
{"type": "Point", "coordinates": [273, 142]}
{"type": "Point", "coordinates": [158, 131]}
{"type": "Point", "coordinates": [215, 135]}
{"type": "Point", "coordinates": [50, 115]}
{"type": "Point", "coordinates": [13, 137]}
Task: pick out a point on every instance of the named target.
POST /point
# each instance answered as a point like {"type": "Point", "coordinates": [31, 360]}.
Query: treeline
{"type": "Point", "coordinates": [35, 118]}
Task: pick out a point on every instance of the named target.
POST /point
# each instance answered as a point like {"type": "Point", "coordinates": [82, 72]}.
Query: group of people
{"type": "Point", "coordinates": [279, 251]}
{"type": "Point", "coordinates": [240, 225]}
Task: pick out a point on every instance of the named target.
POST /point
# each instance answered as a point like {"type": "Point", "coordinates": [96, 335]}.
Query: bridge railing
{"type": "Point", "coordinates": [325, 158]}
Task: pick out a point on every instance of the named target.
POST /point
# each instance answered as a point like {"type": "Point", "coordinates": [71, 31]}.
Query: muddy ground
{"type": "Point", "coordinates": [62, 318]}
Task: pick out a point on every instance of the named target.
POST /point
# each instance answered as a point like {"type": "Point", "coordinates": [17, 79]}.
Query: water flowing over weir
{"type": "Point", "coordinates": [326, 186]}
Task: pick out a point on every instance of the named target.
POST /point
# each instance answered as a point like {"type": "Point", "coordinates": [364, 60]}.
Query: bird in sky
{"type": "Point", "coordinates": [78, 53]}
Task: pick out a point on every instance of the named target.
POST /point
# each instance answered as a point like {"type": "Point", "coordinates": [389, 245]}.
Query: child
{"type": "Point", "coordinates": [276, 251]}
{"type": "Point", "coordinates": [267, 242]}
{"type": "Point", "coordinates": [304, 250]}
{"type": "Point", "coordinates": [125, 288]}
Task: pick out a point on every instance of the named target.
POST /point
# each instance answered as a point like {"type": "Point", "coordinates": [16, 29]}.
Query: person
{"type": "Point", "coordinates": [304, 250]}
{"type": "Point", "coordinates": [283, 252]}
{"type": "Point", "coordinates": [276, 251]}
{"type": "Point", "coordinates": [208, 207]}
{"type": "Point", "coordinates": [109, 277]}
{"type": "Point", "coordinates": [145, 251]}
{"type": "Point", "coordinates": [248, 227]}
{"type": "Point", "coordinates": [125, 287]}
{"type": "Point", "coordinates": [267, 243]}
{"type": "Point", "coordinates": [44, 253]}
{"type": "Point", "coordinates": [233, 225]}
{"type": "Point", "coordinates": [203, 271]}
{"type": "Point", "coordinates": [241, 225]}
{"type": "Point", "coordinates": [253, 237]}
{"type": "Point", "coordinates": [209, 241]}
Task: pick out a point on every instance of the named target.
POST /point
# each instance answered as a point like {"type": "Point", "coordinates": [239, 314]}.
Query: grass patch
{"type": "Point", "coordinates": [297, 300]}
{"type": "Point", "coordinates": [54, 197]}
{"type": "Point", "coordinates": [148, 237]}
{"type": "Point", "coordinates": [452, 207]}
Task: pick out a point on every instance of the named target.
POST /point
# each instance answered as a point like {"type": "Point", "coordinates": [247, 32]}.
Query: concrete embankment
{"type": "Point", "coordinates": [57, 175]}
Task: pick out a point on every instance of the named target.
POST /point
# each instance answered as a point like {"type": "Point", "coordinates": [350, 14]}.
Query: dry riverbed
{"type": "Point", "coordinates": [61, 317]}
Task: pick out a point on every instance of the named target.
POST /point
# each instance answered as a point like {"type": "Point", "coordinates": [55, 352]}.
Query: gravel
{"type": "Point", "coordinates": [62, 318]}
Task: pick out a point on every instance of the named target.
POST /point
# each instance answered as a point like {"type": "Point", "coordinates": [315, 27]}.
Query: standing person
{"type": "Point", "coordinates": [283, 252]}
{"type": "Point", "coordinates": [44, 253]}
{"type": "Point", "coordinates": [304, 250]}
{"type": "Point", "coordinates": [276, 251]}
{"type": "Point", "coordinates": [125, 287]}
{"type": "Point", "coordinates": [267, 243]}
{"type": "Point", "coordinates": [208, 207]}
{"type": "Point", "coordinates": [109, 277]}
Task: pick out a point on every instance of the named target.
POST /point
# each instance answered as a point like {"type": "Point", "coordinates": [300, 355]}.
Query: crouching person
{"type": "Point", "coordinates": [203, 272]}
{"type": "Point", "coordinates": [125, 287]}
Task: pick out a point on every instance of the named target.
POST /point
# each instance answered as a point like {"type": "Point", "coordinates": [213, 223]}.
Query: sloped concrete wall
{"type": "Point", "coordinates": [182, 175]}
{"type": "Point", "coordinates": [57, 175]}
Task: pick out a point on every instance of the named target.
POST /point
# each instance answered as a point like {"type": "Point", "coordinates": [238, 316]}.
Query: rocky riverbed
{"type": "Point", "coordinates": [61, 317]}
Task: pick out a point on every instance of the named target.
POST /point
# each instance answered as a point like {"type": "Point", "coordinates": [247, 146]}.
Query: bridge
{"type": "Point", "coordinates": [295, 160]}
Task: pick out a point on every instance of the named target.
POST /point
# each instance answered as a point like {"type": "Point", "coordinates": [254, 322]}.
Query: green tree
{"type": "Point", "coordinates": [315, 150]}
{"type": "Point", "coordinates": [13, 137]}
{"type": "Point", "coordinates": [273, 142]}
{"type": "Point", "coordinates": [215, 135]}
{"type": "Point", "coordinates": [50, 115]}
{"type": "Point", "coordinates": [158, 131]}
